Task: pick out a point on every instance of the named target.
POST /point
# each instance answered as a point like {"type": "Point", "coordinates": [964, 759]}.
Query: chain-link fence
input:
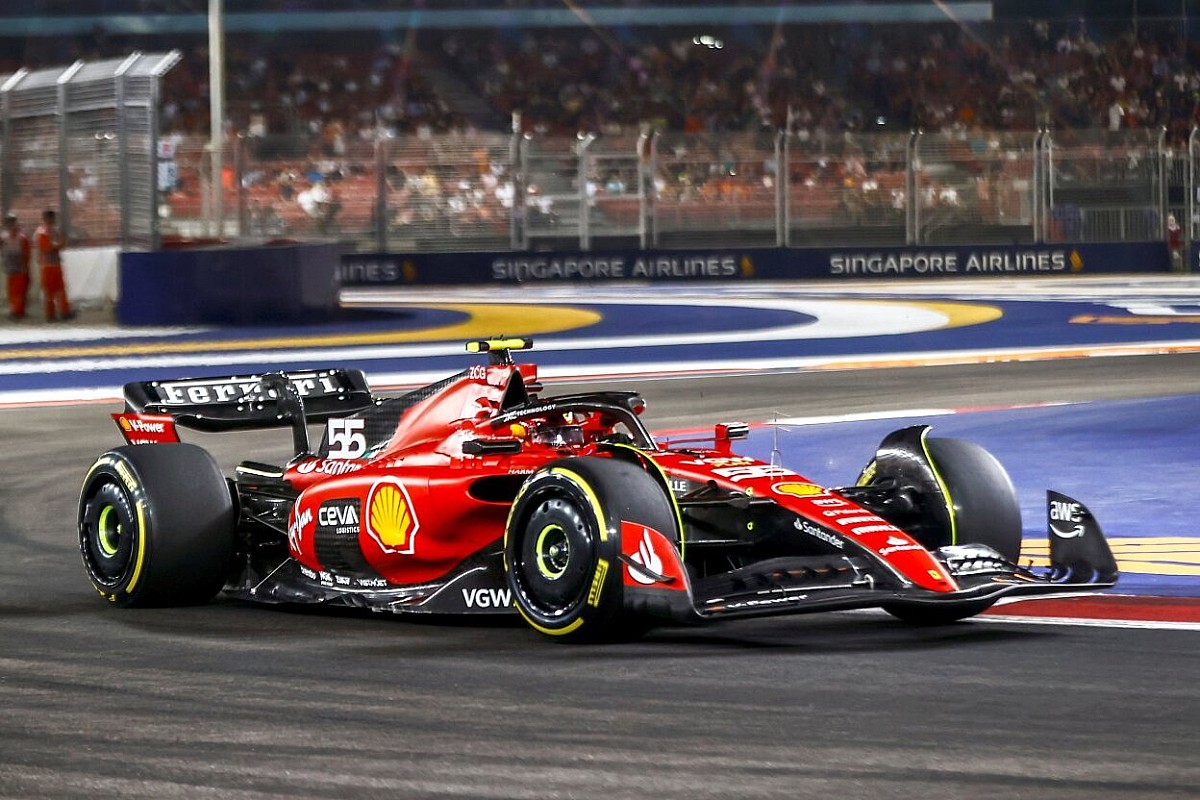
{"type": "Point", "coordinates": [673, 190]}
{"type": "Point", "coordinates": [83, 140]}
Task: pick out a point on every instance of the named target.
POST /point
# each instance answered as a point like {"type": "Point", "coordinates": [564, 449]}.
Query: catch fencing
{"type": "Point", "coordinates": [661, 189]}
{"type": "Point", "coordinates": [83, 140]}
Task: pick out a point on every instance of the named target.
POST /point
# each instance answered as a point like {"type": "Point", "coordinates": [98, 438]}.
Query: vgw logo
{"type": "Point", "coordinates": [487, 598]}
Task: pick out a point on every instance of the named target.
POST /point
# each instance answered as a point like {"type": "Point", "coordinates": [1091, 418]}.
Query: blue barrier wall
{"type": "Point", "coordinates": [963, 261]}
{"type": "Point", "coordinates": [240, 286]}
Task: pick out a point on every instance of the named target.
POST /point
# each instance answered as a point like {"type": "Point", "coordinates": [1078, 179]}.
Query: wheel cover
{"type": "Point", "coordinates": [553, 551]}
{"type": "Point", "coordinates": [556, 556]}
{"type": "Point", "coordinates": [107, 531]}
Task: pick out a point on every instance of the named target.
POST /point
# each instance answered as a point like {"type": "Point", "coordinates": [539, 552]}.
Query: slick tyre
{"type": "Point", "coordinates": [156, 525]}
{"type": "Point", "coordinates": [562, 546]}
{"type": "Point", "coordinates": [981, 494]}
{"type": "Point", "coordinates": [985, 511]}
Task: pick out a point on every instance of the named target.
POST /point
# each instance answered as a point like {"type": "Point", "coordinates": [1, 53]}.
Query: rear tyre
{"type": "Point", "coordinates": [563, 544]}
{"type": "Point", "coordinates": [156, 525]}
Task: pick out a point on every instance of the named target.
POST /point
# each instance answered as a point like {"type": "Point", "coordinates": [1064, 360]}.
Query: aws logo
{"type": "Point", "coordinates": [391, 520]}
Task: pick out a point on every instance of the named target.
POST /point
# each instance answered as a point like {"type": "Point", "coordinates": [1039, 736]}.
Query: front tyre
{"type": "Point", "coordinates": [562, 545]}
{"type": "Point", "coordinates": [984, 510]}
{"type": "Point", "coordinates": [156, 525]}
{"type": "Point", "coordinates": [961, 495]}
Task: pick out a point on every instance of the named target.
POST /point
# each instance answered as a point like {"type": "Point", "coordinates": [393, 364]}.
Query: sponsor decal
{"type": "Point", "coordinates": [296, 526]}
{"type": "Point", "coordinates": [147, 428]}
{"type": "Point", "coordinates": [749, 473]}
{"type": "Point", "coordinates": [728, 461]}
{"type": "Point", "coordinates": [379, 270]}
{"type": "Point", "coordinates": [646, 556]}
{"type": "Point", "coordinates": [679, 486]}
{"type": "Point", "coordinates": [596, 267]}
{"type": "Point", "coordinates": [898, 545]}
{"type": "Point", "coordinates": [766, 601]}
{"type": "Point", "coordinates": [597, 586]}
{"type": "Point", "coordinates": [323, 466]}
{"type": "Point", "coordinates": [864, 529]}
{"type": "Point", "coordinates": [126, 476]}
{"type": "Point", "coordinates": [930, 262]}
{"type": "Point", "coordinates": [245, 389]}
{"type": "Point", "coordinates": [831, 502]}
{"type": "Point", "coordinates": [1069, 513]}
{"type": "Point", "coordinates": [817, 532]}
{"type": "Point", "coordinates": [797, 489]}
{"type": "Point", "coordinates": [391, 520]}
{"type": "Point", "coordinates": [341, 581]}
{"type": "Point", "coordinates": [339, 517]}
{"type": "Point", "coordinates": [487, 598]}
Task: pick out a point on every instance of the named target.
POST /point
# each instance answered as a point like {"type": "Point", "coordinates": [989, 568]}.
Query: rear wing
{"type": "Point", "coordinates": [241, 402]}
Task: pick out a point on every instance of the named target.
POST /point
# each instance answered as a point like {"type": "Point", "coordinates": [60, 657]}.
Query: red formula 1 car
{"type": "Point", "coordinates": [479, 494]}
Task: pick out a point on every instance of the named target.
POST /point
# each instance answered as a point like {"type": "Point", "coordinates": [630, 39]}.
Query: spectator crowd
{"type": "Point", "coordinates": [314, 102]}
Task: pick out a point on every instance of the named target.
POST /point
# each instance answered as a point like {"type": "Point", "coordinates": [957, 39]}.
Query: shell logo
{"type": "Point", "coordinates": [126, 425]}
{"type": "Point", "coordinates": [391, 521]}
{"type": "Point", "coordinates": [797, 489]}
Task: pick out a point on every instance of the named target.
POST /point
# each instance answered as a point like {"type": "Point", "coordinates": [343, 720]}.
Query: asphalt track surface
{"type": "Point", "coordinates": [233, 701]}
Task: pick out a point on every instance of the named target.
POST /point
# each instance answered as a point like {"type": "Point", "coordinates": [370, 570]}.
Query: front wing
{"type": "Point", "coordinates": [1080, 562]}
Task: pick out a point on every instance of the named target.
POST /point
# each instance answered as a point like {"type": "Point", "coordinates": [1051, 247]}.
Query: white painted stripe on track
{"type": "Point", "coordinates": [1085, 622]}
{"type": "Point", "coordinates": [658, 370]}
{"type": "Point", "coordinates": [1089, 622]}
{"type": "Point", "coordinates": [90, 334]}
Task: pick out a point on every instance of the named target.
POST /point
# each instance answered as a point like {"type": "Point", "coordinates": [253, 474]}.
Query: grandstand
{"type": "Point", "coordinates": [649, 124]}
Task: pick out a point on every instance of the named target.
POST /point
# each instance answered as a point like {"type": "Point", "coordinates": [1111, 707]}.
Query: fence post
{"type": "Point", "coordinates": [1189, 226]}
{"type": "Point", "coordinates": [516, 170]}
{"type": "Point", "coordinates": [124, 184]}
{"type": "Point", "coordinates": [6, 161]}
{"type": "Point", "coordinates": [239, 183]}
{"type": "Point", "coordinates": [912, 216]}
{"type": "Point", "coordinates": [382, 217]}
{"type": "Point", "coordinates": [64, 152]}
{"type": "Point", "coordinates": [782, 210]}
{"type": "Point", "coordinates": [1036, 190]}
{"type": "Point", "coordinates": [645, 185]}
{"type": "Point", "coordinates": [581, 170]}
{"type": "Point", "coordinates": [1161, 152]}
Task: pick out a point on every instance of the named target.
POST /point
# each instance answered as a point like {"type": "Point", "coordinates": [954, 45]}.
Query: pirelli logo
{"type": "Point", "coordinates": [598, 583]}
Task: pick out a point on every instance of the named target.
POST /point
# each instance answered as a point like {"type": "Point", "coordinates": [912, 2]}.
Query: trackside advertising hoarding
{"type": "Point", "coordinates": [732, 264]}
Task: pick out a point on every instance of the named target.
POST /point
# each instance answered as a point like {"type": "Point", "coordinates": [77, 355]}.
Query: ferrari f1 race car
{"type": "Point", "coordinates": [480, 494]}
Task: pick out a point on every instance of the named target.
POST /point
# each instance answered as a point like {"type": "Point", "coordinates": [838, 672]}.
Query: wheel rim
{"type": "Point", "coordinates": [555, 557]}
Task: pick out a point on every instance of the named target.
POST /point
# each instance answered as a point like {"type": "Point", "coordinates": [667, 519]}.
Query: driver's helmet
{"type": "Point", "coordinates": [558, 435]}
